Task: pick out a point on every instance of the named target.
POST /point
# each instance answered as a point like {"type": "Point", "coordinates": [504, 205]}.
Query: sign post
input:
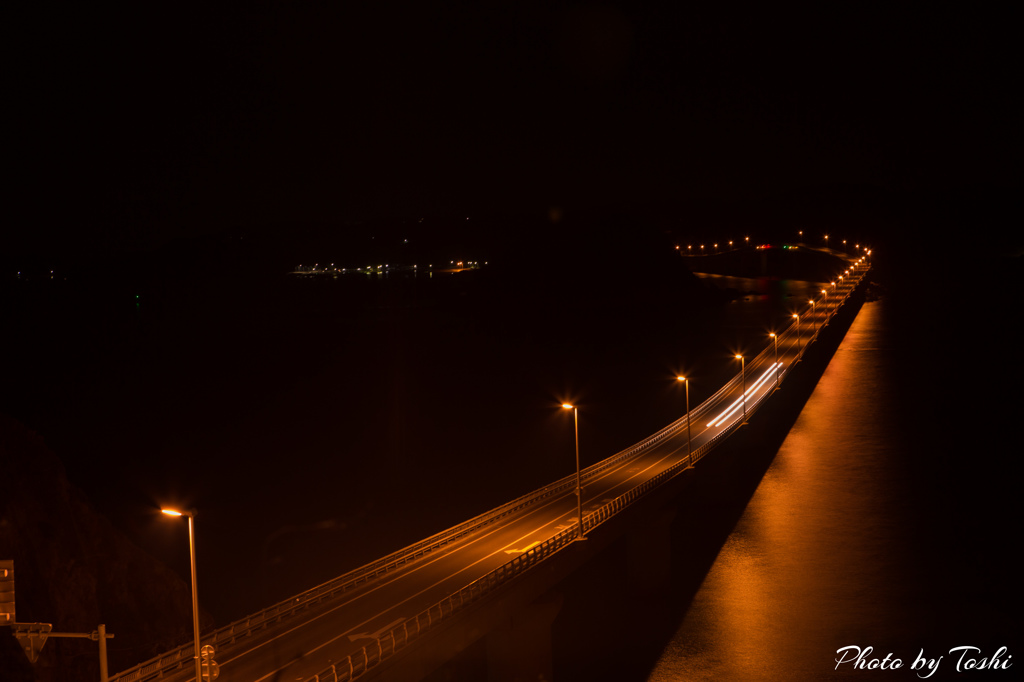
{"type": "Point", "coordinates": [208, 666]}
{"type": "Point", "coordinates": [32, 636]}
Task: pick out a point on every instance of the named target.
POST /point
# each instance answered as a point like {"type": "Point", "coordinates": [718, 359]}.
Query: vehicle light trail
{"type": "Point", "coordinates": [729, 411]}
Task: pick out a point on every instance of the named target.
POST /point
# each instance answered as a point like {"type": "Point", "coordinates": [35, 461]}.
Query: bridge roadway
{"type": "Point", "coordinates": [336, 630]}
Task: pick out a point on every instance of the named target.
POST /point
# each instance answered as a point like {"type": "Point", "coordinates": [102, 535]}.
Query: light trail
{"type": "Point", "coordinates": [729, 411]}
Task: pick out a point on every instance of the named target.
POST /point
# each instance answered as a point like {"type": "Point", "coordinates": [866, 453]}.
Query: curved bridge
{"type": "Point", "coordinates": [383, 615]}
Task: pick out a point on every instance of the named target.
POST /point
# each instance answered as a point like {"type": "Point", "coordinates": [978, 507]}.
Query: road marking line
{"type": "Point", "coordinates": [599, 477]}
{"type": "Point", "coordinates": [524, 549]}
{"type": "Point", "coordinates": [375, 635]}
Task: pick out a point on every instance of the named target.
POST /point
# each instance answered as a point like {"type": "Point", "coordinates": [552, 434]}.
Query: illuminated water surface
{"type": "Point", "coordinates": [823, 556]}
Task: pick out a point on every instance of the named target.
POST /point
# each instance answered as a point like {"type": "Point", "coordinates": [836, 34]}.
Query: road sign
{"type": "Point", "coordinates": [32, 637]}
{"type": "Point", "coordinates": [208, 667]}
{"type": "Point", "coordinates": [209, 670]}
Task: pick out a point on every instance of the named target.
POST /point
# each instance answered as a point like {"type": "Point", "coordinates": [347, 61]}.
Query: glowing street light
{"type": "Point", "coordinates": [814, 319]}
{"type": "Point", "coordinates": [195, 597]}
{"type": "Point", "coordinates": [689, 442]}
{"type": "Point", "coordinates": [775, 338]}
{"type": "Point", "coordinates": [797, 318]}
{"type": "Point", "coordinates": [743, 380]}
{"type": "Point", "coordinates": [579, 488]}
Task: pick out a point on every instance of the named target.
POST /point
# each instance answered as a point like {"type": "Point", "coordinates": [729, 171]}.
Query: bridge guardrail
{"type": "Point", "coordinates": [400, 636]}
{"type": "Point", "coordinates": [183, 656]}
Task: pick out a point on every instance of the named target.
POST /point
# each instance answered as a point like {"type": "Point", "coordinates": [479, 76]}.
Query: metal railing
{"type": "Point", "coordinates": [355, 665]}
{"type": "Point", "coordinates": [181, 657]}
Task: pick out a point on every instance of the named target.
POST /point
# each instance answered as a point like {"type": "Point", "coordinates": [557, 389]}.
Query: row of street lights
{"type": "Point", "coordinates": [689, 435]}
{"type": "Point", "coordinates": [825, 299]}
{"type": "Point", "coordinates": [579, 488]}
{"type": "Point", "coordinates": [746, 242]}
{"type": "Point", "coordinates": [579, 512]}
{"type": "Point", "coordinates": [857, 247]}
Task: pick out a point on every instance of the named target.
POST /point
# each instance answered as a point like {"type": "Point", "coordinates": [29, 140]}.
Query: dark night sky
{"type": "Point", "coordinates": [138, 123]}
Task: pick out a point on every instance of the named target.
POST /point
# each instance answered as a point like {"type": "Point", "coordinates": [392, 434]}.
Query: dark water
{"type": "Point", "coordinates": [875, 526]}
{"type": "Point", "coordinates": [320, 424]}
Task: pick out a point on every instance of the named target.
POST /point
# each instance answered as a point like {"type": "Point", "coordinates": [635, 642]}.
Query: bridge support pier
{"type": "Point", "coordinates": [649, 555]}
{"type": "Point", "coordinates": [520, 649]}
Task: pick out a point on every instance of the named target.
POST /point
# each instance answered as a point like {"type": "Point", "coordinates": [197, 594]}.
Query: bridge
{"type": "Point", "coordinates": [402, 616]}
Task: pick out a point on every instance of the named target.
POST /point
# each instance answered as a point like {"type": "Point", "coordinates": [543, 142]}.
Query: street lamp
{"type": "Point", "coordinates": [195, 597]}
{"type": "Point", "coordinates": [579, 488]}
{"type": "Point", "coordinates": [743, 379]}
{"type": "Point", "coordinates": [814, 319]}
{"type": "Point", "coordinates": [689, 442]}
{"type": "Point", "coordinates": [797, 318]}
{"type": "Point", "coordinates": [775, 338]}
{"type": "Point", "coordinates": [824, 296]}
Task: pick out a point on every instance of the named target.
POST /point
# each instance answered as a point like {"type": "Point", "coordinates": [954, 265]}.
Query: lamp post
{"type": "Point", "coordinates": [824, 296]}
{"type": "Point", "coordinates": [775, 338]}
{"type": "Point", "coordinates": [743, 380]}
{"type": "Point", "coordinates": [689, 442]}
{"type": "Point", "coordinates": [195, 597]}
{"type": "Point", "coordinates": [814, 317]}
{"type": "Point", "coordinates": [797, 318]}
{"type": "Point", "coordinates": [579, 488]}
